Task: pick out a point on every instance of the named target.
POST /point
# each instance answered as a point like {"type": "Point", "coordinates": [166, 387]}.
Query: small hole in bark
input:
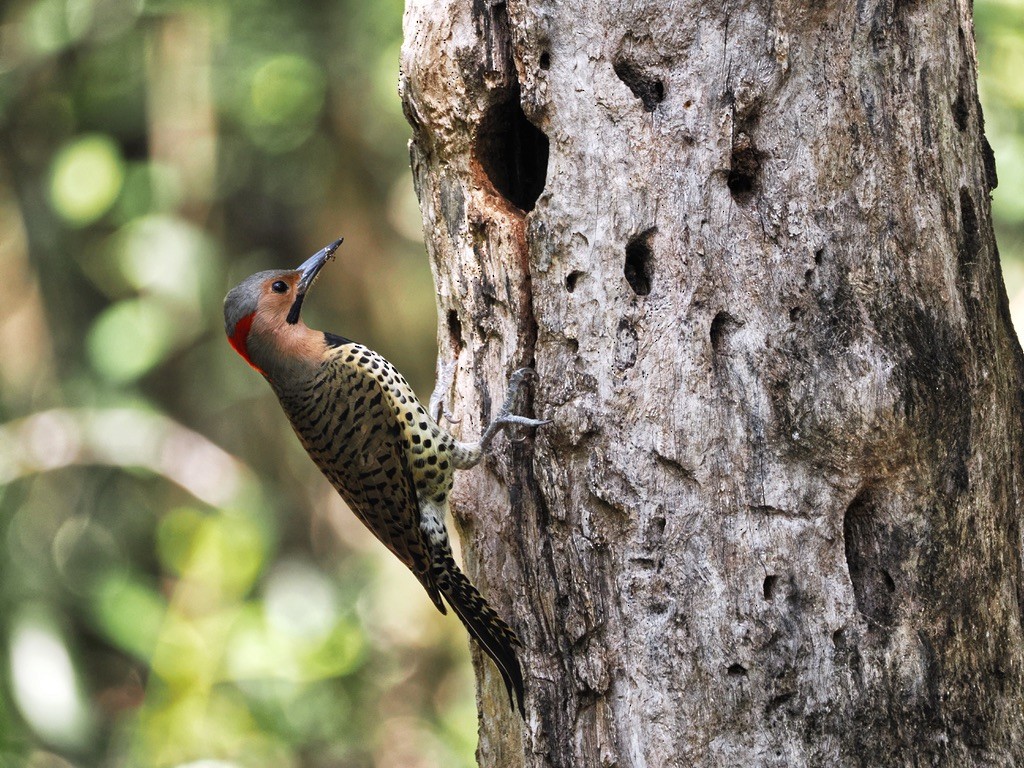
{"type": "Point", "coordinates": [737, 670]}
{"type": "Point", "coordinates": [571, 280]}
{"type": "Point", "coordinates": [744, 168]}
{"type": "Point", "coordinates": [740, 184]}
{"type": "Point", "coordinates": [722, 328]}
{"type": "Point", "coordinates": [545, 60]}
{"type": "Point", "coordinates": [819, 256]}
{"type": "Point", "coordinates": [795, 314]}
{"type": "Point", "coordinates": [646, 87]}
{"type": "Point", "coordinates": [960, 112]}
{"type": "Point", "coordinates": [889, 583]}
{"type": "Point", "coordinates": [455, 330]}
{"type": "Point", "coordinates": [989, 159]}
{"type": "Point", "coordinates": [768, 588]}
{"type": "Point", "coordinates": [513, 153]}
{"type": "Point", "coordinates": [638, 262]}
{"type": "Point", "coordinates": [839, 639]}
{"type": "Point", "coordinates": [779, 701]}
{"type": "Point", "coordinates": [961, 106]}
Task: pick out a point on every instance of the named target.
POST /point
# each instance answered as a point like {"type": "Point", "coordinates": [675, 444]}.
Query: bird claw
{"type": "Point", "coordinates": [507, 420]}
{"type": "Point", "coordinates": [513, 421]}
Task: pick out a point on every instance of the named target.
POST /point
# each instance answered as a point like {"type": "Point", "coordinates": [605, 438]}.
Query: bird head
{"type": "Point", "coordinates": [261, 315]}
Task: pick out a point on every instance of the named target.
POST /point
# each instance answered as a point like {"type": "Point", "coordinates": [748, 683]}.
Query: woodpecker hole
{"type": "Point", "coordinates": [646, 87]}
{"type": "Point", "coordinates": [638, 261]}
{"type": "Point", "coordinates": [571, 279]}
{"type": "Point", "coordinates": [866, 547]}
{"type": "Point", "coordinates": [795, 314]}
{"type": "Point", "coordinates": [968, 218]}
{"type": "Point", "coordinates": [961, 106]}
{"type": "Point", "coordinates": [744, 168]}
{"type": "Point", "coordinates": [960, 112]}
{"type": "Point", "coordinates": [722, 327]}
{"type": "Point", "coordinates": [455, 330]}
{"type": "Point", "coordinates": [989, 159]}
{"type": "Point", "coordinates": [768, 588]}
{"type": "Point", "coordinates": [545, 60]}
{"type": "Point", "coordinates": [513, 153]}
{"type": "Point", "coordinates": [737, 670]}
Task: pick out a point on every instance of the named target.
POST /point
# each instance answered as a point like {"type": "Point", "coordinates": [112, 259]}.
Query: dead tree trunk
{"type": "Point", "coordinates": [747, 247]}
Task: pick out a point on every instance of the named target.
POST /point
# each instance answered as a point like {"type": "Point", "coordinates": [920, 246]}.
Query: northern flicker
{"type": "Point", "coordinates": [363, 426]}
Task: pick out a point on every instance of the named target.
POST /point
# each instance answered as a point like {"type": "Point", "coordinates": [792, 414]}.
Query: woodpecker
{"type": "Point", "coordinates": [383, 452]}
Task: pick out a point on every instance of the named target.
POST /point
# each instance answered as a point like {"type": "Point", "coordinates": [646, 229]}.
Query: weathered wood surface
{"type": "Point", "coordinates": [776, 521]}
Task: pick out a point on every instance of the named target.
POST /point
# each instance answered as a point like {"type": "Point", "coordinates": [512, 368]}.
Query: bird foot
{"type": "Point", "coordinates": [437, 407]}
{"type": "Point", "coordinates": [505, 419]}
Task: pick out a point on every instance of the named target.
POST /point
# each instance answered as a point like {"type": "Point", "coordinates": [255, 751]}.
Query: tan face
{"type": "Point", "coordinates": [277, 298]}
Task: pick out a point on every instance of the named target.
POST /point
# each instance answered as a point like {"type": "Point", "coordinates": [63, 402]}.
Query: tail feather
{"type": "Point", "coordinates": [495, 637]}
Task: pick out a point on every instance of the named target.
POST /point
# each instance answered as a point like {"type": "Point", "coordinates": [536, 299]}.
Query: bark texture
{"type": "Point", "coordinates": [747, 247]}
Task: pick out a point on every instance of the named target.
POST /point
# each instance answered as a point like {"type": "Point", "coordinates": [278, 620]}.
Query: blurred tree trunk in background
{"type": "Point", "coordinates": [747, 247]}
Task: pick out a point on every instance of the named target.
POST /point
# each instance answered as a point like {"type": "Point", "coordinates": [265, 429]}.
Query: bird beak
{"type": "Point", "coordinates": [312, 266]}
{"type": "Point", "coordinates": [307, 274]}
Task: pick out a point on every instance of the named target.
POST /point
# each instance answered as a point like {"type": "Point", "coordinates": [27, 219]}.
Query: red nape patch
{"type": "Point", "coordinates": [238, 339]}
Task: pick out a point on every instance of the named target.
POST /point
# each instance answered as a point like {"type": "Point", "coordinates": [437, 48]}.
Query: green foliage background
{"type": "Point", "coordinates": [177, 583]}
{"type": "Point", "coordinates": [178, 586]}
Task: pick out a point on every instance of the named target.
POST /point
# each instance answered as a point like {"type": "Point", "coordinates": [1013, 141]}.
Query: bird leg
{"type": "Point", "coordinates": [504, 419]}
{"type": "Point", "coordinates": [437, 407]}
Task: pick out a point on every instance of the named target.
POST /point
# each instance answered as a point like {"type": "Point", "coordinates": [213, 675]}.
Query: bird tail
{"type": "Point", "coordinates": [496, 637]}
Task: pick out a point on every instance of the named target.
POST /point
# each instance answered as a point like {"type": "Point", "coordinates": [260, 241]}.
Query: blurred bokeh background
{"type": "Point", "coordinates": [177, 582]}
{"type": "Point", "coordinates": [178, 586]}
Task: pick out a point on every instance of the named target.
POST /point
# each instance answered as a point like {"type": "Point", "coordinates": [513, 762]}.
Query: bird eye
{"type": "Point", "coordinates": [279, 286]}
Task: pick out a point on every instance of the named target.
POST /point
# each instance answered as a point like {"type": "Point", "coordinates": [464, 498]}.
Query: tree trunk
{"type": "Point", "coordinates": [747, 247]}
